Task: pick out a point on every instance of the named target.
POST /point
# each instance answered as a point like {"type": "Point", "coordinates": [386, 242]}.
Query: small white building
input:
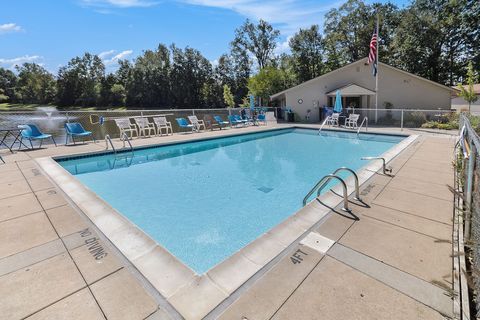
{"type": "Point", "coordinates": [397, 88]}
{"type": "Point", "coordinates": [459, 104]}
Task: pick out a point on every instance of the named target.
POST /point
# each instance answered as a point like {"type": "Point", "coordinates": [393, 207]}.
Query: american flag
{"type": "Point", "coordinates": [372, 56]}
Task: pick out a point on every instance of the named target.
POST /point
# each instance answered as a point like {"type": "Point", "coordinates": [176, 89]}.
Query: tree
{"type": "Point", "coordinates": [224, 71]}
{"type": "Point", "coordinates": [307, 49]}
{"type": "Point", "coordinates": [190, 70]}
{"type": "Point", "coordinates": [212, 94]}
{"type": "Point", "coordinates": [79, 83]}
{"type": "Point", "coordinates": [286, 65]}
{"type": "Point", "coordinates": [348, 31]}
{"type": "Point", "coordinates": [259, 40]}
{"type": "Point", "coordinates": [468, 94]}
{"type": "Point", "coordinates": [268, 81]}
{"type": "Point", "coordinates": [3, 97]}
{"type": "Point", "coordinates": [147, 82]}
{"type": "Point", "coordinates": [436, 38]}
{"type": "Point", "coordinates": [35, 84]}
{"type": "Point", "coordinates": [228, 96]}
{"type": "Point", "coordinates": [242, 71]}
{"type": "Point", "coordinates": [118, 95]}
{"type": "Point", "coordinates": [8, 83]}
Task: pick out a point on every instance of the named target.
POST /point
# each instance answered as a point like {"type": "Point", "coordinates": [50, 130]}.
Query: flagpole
{"type": "Point", "coordinates": [376, 76]}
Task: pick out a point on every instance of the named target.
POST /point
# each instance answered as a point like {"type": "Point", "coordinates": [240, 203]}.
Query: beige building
{"type": "Point", "coordinates": [401, 89]}
{"type": "Point", "coordinates": [459, 104]}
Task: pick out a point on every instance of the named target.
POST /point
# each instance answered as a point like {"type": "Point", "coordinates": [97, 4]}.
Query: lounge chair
{"type": "Point", "coordinates": [31, 132]}
{"type": "Point", "coordinates": [352, 121]}
{"type": "Point", "coordinates": [262, 118]}
{"type": "Point", "coordinates": [162, 123]}
{"type": "Point", "coordinates": [198, 124]}
{"type": "Point", "coordinates": [145, 126]}
{"type": "Point", "coordinates": [332, 120]}
{"type": "Point", "coordinates": [125, 127]}
{"type": "Point", "coordinates": [234, 121]}
{"type": "Point", "coordinates": [182, 123]}
{"type": "Point", "coordinates": [75, 129]}
{"type": "Point", "coordinates": [239, 118]}
{"type": "Point", "coordinates": [220, 122]}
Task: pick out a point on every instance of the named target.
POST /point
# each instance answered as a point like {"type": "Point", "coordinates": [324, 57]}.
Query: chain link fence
{"type": "Point", "coordinates": [50, 120]}
{"type": "Point", "coordinates": [407, 118]}
{"type": "Point", "coordinates": [468, 183]}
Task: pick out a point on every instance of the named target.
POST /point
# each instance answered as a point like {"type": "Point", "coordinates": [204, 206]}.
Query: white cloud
{"type": "Point", "coordinates": [111, 59]}
{"type": "Point", "coordinates": [286, 15]}
{"type": "Point", "coordinates": [11, 63]}
{"type": "Point", "coordinates": [119, 3]}
{"type": "Point", "coordinates": [282, 47]}
{"type": "Point", "coordinates": [104, 54]}
{"type": "Point", "coordinates": [9, 28]}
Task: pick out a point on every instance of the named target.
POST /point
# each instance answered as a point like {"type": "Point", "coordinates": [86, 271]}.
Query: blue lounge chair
{"type": "Point", "coordinates": [31, 132]}
{"type": "Point", "coordinates": [239, 118]}
{"type": "Point", "coordinates": [220, 122]}
{"type": "Point", "coordinates": [182, 123]}
{"type": "Point", "coordinates": [261, 118]}
{"type": "Point", "coordinates": [75, 129]}
{"type": "Point", "coordinates": [234, 121]}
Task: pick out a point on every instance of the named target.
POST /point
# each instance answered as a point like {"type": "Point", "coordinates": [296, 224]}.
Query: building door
{"type": "Point", "coordinates": [353, 102]}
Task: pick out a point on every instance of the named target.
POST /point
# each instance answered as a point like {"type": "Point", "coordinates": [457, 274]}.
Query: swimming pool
{"type": "Point", "coordinates": [205, 200]}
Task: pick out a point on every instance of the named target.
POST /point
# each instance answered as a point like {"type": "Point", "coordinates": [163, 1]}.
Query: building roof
{"type": "Point", "coordinates": [476, 88]}
{"type": "Point", "coordinates": [351, 89]}
{"type": "Point", "coordinates": [358, 62]}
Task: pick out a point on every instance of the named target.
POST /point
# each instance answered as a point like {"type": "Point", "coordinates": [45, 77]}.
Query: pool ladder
{"type": "Point", "coordinates": [322, 183]}
{"type": "Point", "coordinates": [123, 137]}
{"type": "Point", "coordinates": [323, 124]}
{"type": "Point", "coordinates": [386, 170]}
{"type": "Point", "coordinates": [364, 121]}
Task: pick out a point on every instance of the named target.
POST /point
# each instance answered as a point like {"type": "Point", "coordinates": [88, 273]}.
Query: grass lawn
{"type": "Point", "coordinates": [17, 107]}
{"type": "Point", "coordinates": [32, 107]}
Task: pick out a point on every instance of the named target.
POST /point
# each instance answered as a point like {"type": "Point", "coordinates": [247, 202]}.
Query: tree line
{"type": "Point", "coordinates": [435, 39]}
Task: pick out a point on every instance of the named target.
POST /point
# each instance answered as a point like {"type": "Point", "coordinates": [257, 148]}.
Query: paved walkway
{"type": "Point", "coordinates": [391, 260]}
{"type": "Point", "coordinates": [392, 263]}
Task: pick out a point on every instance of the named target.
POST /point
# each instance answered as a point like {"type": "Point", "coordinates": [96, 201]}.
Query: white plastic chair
{"type": "Point", "coordinates": [198, 124]}
{"type": "Point", "coordinates": [162, 123]}
{"type": "Point", "coordinates": [125, 127]}
{"type": "Point", "coordinates": [352, 121]}
{"type": "Point", "coordinates": [145, 126]}
{"type": "Point", "coordinates": [332, 120]}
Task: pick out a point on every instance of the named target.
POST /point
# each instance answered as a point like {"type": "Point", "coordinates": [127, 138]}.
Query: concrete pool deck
{"type": "Point", "coordinates": [394, 262]}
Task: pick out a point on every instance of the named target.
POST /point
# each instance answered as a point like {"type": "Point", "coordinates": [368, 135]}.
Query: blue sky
{"type": "Point", "coordinates": [51, 32]}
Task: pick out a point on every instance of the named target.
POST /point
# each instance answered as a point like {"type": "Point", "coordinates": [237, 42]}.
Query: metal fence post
{"type": "Point", "coordinates": [193, 112]}
{"type": "Point", "coordinates": [469, 187]}
{"type": "Point", "coordinates": [401, 121]}
{"type": "Point", "coordinates": [68, 119]}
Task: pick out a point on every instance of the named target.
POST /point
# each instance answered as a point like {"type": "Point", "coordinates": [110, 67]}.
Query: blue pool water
{"type": "Point", "coordinates": [205, 200]}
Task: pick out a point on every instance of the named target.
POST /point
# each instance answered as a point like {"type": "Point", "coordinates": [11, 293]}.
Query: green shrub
{"type": "Point", "coordinates": [430, 125]}
{"type": "Point", "coordinates": [445, 122]}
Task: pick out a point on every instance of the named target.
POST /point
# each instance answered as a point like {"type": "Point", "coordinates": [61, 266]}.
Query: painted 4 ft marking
{"type": "Point", "coordinates": [298, 256]}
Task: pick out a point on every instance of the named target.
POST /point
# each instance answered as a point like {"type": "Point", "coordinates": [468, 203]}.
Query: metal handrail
{"type": "Point", "coordinates": [109, 140]}
{"type": "Point", "coordinates": [357, 188]}
{"type": "Point", "coordinates": [323, 124]}
{"type": "Point", "coordinates": [365, 120]}
{"type": "Point", "coordinates": [322, 183]}
{"type": "Point", "coordinates": [385, 169]}
{"type": "Point", "coordinates": [126, 138]}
